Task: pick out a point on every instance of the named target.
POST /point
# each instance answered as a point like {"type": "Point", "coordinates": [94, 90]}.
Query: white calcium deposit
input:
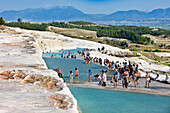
{"type": "Point", "coordinates": [162, 54]}
{"type": "Point", "coordinates": [22, 51]}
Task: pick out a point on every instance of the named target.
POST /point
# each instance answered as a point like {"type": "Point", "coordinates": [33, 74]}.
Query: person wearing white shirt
{"type": "Point", "coordinates": [104, 78]}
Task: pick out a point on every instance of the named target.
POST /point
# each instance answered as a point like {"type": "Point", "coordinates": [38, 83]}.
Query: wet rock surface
{"type": "Point", "coordinates": [155, 87]}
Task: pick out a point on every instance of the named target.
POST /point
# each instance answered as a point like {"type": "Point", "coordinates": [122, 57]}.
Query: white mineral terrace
{"type": "Point", "coordinates": [21, 55]}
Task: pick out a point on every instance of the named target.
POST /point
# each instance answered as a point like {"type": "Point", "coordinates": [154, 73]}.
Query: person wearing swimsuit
{"type": "Point", "coordinates": [77, 75]}
{"type": "Point", "coordinates": [71, 77]}
{"type": "Point", "coordinates": [147, 80]}
{"type": "Point", "coordinates": [90, 75]}
{"type": "Point", "coordinates": [135, 78]}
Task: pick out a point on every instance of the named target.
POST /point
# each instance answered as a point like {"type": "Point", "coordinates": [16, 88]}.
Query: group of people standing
{"type": "Point", "coordinates": [68, 55]}
{"type": "Point", "coordinates": [76, 75]}
{"type": "Point", "coordinates": [71, 55]}
{"type": "Point", "coordinates": [124, 72]}
{"type": "Point", "coordinates": [70, 74]}
{"type": "Point", "coordinates": [126, 77]}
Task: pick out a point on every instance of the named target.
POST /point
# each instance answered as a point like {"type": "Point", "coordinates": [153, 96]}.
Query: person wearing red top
{"type": "Point", "coordinates": [76, 74]}
{"type": "Point", "coordinates": [107, 61]}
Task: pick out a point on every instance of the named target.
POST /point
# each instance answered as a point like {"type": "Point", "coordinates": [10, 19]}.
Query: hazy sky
{"type": "Point", "coordinates": [88, 6]}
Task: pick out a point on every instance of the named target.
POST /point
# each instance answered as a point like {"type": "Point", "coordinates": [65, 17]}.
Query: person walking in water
{"type": "Point", "coordinates": [90, 75]}
{"type": "Point", "coordinates": [77, 75]}
{"type": "Point", "coordinates": [71, 77]}
{"type": "Point", "coordinates": [147, 80]}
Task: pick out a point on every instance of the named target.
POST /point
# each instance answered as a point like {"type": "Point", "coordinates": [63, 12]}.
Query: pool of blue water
{"type": "Point", "coordinates": [105, 101]}
{"type": "Point", "coordinates": [67, 65]}
{"type": "Point", "coordinates": [57, 54]}
{"type": "Point", "coordinates": [108, 101]}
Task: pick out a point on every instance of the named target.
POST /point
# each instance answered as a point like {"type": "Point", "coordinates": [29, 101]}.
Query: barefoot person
{"type": "Point", "coordinates": [71, 77]}
{"type": "Point", "coordinates": [104, 79]}
{"type": "Point", "coordinates": [147, 80]}
{"type": "Point", "coordinates": [90, 75]}
{"type": "Point", "coordinates": [130, 72]}
{"type": "Point", "coordinates": [115, 80]}
{"type": "Point", "coordinates": [134, 78]}
{"type": "Point", "coordinates": [100, 80]}
{"type": "Point", "coordinates": [138, 76]}
{"type": "Point", "coordinates": [126, 79]}
{"type": "Point", "coordinates": [77, 75]}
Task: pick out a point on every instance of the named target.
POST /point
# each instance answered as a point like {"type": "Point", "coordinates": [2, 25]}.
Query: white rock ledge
{"type": "Point", "coordinates": [21, 51]}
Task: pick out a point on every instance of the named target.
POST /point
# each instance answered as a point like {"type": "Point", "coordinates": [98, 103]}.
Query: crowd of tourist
{"type": "Point", "coordinates": [124, 72]}
{"type": "Point", "coordinates": [70, 55]}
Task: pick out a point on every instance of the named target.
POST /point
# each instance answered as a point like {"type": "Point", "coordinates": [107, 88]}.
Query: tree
{"type": "Point", "coordinates": [152, 42]}
{"type": "Point", "coordinates": [2, 22]}
{"type": "Point", "coordinates": [19, 20]}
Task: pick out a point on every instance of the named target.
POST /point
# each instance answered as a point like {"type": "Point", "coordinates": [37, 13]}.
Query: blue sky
{"type": "Point", "coordinates": [88, 6]}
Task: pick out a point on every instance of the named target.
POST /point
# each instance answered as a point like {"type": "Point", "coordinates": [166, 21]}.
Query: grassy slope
{"type": "Point", "coordinates": [73, 32]}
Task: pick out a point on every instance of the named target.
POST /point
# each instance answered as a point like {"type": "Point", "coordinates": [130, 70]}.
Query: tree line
{"type": "Point", "coordinates": [132, 33]}
{"type": "Point", "coordinates": [29, 26]}
{"type": "Point", "coordinates": [81, 23]}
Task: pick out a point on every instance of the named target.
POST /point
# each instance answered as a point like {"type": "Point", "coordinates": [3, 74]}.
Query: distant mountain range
{"type": "Point", "coordinates": [69, 13]}
{"type": "Point", "coordinates": [135, 14]}
{"type": "Point", "coordinates": [58, 13]}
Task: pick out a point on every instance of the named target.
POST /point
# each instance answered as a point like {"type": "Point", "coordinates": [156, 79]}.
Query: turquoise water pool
{"type": "Point", "coordinates": [58, 53]}
{"type": "Point", "coordinates": [108, 101]}
{"type": "Point", "coordinates": [67, 65]}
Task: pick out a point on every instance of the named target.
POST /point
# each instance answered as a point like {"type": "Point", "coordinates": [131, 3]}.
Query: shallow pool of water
{"type": "Point", "coordinates": [57, 54]}
{"type": "Point", "coordinates": [67, 65]}
{"type": "Point", "coordinates": [108, 101]}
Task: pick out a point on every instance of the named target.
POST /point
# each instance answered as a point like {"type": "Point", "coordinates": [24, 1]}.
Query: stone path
{"type": "Point", "coordinates": [155, 87]}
